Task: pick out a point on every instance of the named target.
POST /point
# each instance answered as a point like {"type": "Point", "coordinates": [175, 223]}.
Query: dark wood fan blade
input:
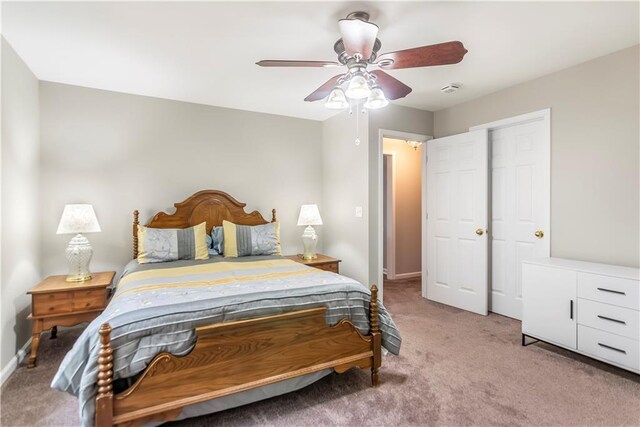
{"type": "Point", "coordinates": [358, 36]}
{"type": "Point", "coordinates": [425, 56]}
{"type": "Point", "coordinates": [285, 63]}
{"type": "Point", "coordinates": [392, 87]}
{"type": "Point", "coordinates": [324, 90]}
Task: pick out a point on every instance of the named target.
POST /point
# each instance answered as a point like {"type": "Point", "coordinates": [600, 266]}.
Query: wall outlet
{"type": "Point", "coordinates": [358, 211]}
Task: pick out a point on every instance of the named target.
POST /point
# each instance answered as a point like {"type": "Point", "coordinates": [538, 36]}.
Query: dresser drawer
{"type": "Point", "coordinates": [609, 318]}
{"type": "Point", "coordinates": [52, 303]}
{"type": "Point", "coordinates": [89, 300]}
{"type": "Point", "coordinates": [612, 348]}
{"type": "Point", "coordinates": [610, 290]}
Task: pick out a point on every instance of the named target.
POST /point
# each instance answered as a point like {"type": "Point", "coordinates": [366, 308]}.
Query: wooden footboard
{"type": "Point", "coordinates": [233, 357]}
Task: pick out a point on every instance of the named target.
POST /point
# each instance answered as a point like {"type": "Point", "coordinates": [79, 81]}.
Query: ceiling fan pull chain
{"type": "Point", "coordinates": [357, 141]}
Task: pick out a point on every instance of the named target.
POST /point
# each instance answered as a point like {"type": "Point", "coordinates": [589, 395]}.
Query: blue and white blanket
{"type": "Point", "coordinates": [156, 308]}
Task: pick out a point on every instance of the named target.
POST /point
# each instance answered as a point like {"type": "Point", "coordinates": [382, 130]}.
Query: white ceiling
{"type": "Point", "coordinates": [205, 52]}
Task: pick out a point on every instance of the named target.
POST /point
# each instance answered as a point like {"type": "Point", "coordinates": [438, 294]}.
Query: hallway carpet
{"type": "Point", "coordinates": [455, 369]}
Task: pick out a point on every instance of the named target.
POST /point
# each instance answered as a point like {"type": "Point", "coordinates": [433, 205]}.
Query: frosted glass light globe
{"type": "Point", "coordinates": [358, 88]}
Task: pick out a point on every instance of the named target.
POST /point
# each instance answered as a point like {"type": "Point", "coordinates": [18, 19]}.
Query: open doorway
{"type": "Point", "coordinates": [402, 208]}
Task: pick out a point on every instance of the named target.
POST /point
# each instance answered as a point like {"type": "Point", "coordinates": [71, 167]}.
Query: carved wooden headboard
{"type": "Point", "coordinates": [210, 206]}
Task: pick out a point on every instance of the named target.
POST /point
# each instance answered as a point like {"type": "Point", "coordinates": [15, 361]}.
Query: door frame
{"type": "Point", "coordinates": [391, 217]}
{"type": "Point", "coordinates": [545, 116]}
{"type": "Point", "coordinates": [394, 134]}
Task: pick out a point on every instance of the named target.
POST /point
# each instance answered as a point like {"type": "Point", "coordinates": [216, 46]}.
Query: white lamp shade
{"type": "Point", "coordinates": [309, 215]}
{"type": "Point", "coordinates": [78, 219]}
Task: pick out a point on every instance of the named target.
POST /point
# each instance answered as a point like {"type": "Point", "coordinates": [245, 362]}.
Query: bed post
{"type": "Point", "coordinates": [376, 341]}
{"type": "Point", "coordinates": [135, 234]}
{"type": "Point", "coordinates": [104, 400]}
{"type": "Point", "coordinates": [273, 215]}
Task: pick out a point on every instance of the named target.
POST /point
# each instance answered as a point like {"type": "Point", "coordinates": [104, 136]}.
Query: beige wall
{"type": "Point", "coordinates": [595, 135]}
{"type": "Point", "coordinates": [408, 204]}
{"type": "Point", "coordinates": [344, 186]}
{"type": "Point", "coordinates": [20, 265]}
{"type": "Point", "coordinates": [352, 177]}
{"type": "Point", "coordinates": [123, 152]}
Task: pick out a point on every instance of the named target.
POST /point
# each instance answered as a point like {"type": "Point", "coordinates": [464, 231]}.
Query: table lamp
{"type": "Point", "coordinates": [78, 219]}
{"type": "Point", "coordinates": [309, 216]}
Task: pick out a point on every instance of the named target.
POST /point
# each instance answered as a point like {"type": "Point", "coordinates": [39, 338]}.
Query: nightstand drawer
{"type": "Point", "coordinates": [333, 267]}
{"type": "Point", "coordinates": [53, 303]}
{"type": "Point", "coordinates": [89, 300]}
{"type": "Point", "coordinates": [321, 262]}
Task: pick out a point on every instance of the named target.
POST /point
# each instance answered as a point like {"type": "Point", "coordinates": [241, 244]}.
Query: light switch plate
{"type": "Point", "coordinates": [358, 211]}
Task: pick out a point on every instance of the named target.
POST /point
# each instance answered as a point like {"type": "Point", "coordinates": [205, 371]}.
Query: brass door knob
{"type": "Point", "coordinates": [479, 231]}
{"type": "Point", "coordinates": [539, 234]}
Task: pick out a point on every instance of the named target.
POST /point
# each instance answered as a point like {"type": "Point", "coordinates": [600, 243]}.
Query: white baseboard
{"type": "Point", "coordinates": [408, 275]}
{"type": "Point", "coordinates": [14, 362]}
{"type": "Point", "coordinates": [384, 271]}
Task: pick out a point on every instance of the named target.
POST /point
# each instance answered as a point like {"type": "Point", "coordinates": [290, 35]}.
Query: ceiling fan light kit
{"type": "Point", "coordinates": [358, 87]}
{"type": "Point", "coordinates": [376, 99]}
{"type": "Point", "coordinates": [357, 49]}
{"type": "Point", "coordinates": [337, 100]}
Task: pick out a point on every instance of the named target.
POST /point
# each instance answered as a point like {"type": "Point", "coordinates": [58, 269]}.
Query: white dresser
{"type": "Point", "coordinates": [592, 309]}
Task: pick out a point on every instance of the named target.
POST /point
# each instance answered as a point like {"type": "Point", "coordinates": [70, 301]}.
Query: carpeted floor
{"type": "Point", "coordinates": [455, 368]}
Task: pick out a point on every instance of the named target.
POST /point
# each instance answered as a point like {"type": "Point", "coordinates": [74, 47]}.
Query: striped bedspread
{"type": "Point", "coordinates": [156, 308]}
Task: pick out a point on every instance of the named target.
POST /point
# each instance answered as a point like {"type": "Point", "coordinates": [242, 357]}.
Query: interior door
{"type": "Point", "coordinates": [457, 218]}
{"type": "Point", "coordinates": [519, 209]}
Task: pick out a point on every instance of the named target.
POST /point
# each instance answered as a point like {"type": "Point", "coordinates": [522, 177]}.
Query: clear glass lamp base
{"type": "Point", "coordinates": [78, 254]}
{"type": "Point", "coordinates": [309, 240]}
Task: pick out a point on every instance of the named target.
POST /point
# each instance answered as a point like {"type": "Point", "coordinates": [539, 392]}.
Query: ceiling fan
{"type": "Point", "coordinates": [357, 50]}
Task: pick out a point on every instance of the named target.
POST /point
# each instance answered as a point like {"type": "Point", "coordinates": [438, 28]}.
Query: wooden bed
{"type": "Point", "coordinates": [235, 356]}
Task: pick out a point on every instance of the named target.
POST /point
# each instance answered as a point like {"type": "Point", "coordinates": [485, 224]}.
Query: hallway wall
{"type": "Point", "coordinates": [408, 189]}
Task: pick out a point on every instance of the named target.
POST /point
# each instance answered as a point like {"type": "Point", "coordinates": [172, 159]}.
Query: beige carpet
{"type": "Point", "coordinates": [455, 369]}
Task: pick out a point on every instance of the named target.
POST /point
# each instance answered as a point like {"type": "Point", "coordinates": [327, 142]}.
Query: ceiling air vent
{"type": "Point", "coordinates": [451, 87]}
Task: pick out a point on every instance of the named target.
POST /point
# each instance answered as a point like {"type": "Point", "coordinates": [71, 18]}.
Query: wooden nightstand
{"type": "Point", "coordinates": [323, 262]}
{"type": "Point", "coordinates": [55, 302]}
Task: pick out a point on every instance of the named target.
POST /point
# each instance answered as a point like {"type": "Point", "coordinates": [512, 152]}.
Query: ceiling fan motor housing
{"type": "Point", "coordinates": [361, 15]}
{"type": "Point", "coordinates": [344, 58]}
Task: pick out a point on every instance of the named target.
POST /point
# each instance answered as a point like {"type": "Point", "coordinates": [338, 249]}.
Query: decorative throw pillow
{"type": "Point", "coordinates": [217, 235]}
{"type": "Point", "coordinates": [171, 244]}
{"type": "Point", "coordinates": [245, 240]}
{"type": "Point", "coordinates": [210, 245]}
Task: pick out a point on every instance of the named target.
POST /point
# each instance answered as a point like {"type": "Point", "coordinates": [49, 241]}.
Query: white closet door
{"type": "Point", "coordinates": [519, 209]}
{"type": "Point", "coordinates": [457, 183]}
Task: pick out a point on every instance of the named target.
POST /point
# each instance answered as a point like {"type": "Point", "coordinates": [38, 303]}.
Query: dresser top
{"type": "Point", "coordinates": [588, 267]}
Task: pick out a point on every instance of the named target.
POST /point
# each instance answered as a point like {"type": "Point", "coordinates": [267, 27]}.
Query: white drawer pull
{"type": "Point", "coordinates": [612, 320]}
{"type": "Point", "coordinates": [612, 348]}
{"type": "Point", "coordinates": [612, 291]}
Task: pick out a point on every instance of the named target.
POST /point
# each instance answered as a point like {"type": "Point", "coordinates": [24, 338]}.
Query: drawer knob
{"type": "Point", "coordinates": [539, 234]}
